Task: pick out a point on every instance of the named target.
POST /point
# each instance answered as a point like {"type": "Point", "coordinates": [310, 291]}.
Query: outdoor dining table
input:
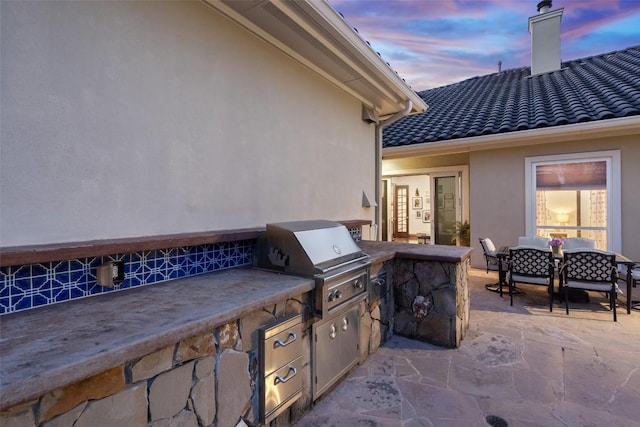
{"type": "Point", "coordinates": [623, 260]}
{"type": "Point", "coordinates": [503, 255]}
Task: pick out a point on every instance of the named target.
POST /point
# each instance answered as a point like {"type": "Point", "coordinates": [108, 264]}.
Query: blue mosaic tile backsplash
{"type": "Point", "coordinates": [28, 286]}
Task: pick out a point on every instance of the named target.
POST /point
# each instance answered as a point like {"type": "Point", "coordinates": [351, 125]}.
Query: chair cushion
{"type": "Point", "coordinates": [489, 247]}
{"type": "Point", "coordinates": [534, 241]}
{"type": "Point", "coordinates": [592, 286]}
{"type": "Point", "coordinates": [579, 243]}
{"type": "Point", "coordinates": [527, 279]}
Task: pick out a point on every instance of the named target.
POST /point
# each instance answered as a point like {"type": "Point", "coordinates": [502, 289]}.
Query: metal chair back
{"type": "Point", "coordinates": [590, 270]}
{"type": "Point", "coordinates": [531, 265]}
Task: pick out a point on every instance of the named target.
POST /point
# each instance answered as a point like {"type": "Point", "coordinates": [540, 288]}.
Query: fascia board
{"type": "Point", "coordinates": [289, 9]}
{"type": "Point", "coordinates": [566, 133]}
{"type": "Point", "coordinates": [347, 42]}
{"type": "Point", "coordinates": [358, 46]}
{"type": "Point", "coordinates": [233, 16]}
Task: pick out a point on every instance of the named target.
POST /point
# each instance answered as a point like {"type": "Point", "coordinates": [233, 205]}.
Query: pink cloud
{"type": "Point", "coordinates": [432, 43]}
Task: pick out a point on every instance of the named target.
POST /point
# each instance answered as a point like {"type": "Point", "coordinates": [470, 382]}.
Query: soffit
{"type": "Point", "coordinates": [312, 33]}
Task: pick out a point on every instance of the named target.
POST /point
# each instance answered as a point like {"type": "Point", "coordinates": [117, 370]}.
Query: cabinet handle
{"type": "Point", "coordinates": [292, 373]}
{"type": "Point", "coordinates": [345, 324]}
{"type": "Point", "coordinates": [292, 338]}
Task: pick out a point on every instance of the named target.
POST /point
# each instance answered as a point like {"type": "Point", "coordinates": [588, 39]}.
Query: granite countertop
{"type": "Point", "coordinates": [49, 347]}
{"type": "Point", "coordinates": [383, 251]}
{"type": "Point", "coordinates": [52, 346]}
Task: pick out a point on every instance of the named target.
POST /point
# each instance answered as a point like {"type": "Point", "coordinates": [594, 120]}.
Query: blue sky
{"type": "Point", "coordinates": [432, 43]}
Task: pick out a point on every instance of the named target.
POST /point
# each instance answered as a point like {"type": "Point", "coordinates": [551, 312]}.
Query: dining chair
{"type": "Point", "coordinates": [571, 243]}
{"type": "Point", "coordinates": [590, 270]}
{"type": "Point", "coordinates": [531, 265]}
{"type": "Point", "coordinates": [536, 241]}
{"type": "Point", "coordinates": [492, 262]}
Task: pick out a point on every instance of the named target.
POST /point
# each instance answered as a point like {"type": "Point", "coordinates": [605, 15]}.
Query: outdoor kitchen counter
{"type": "Point", "coordinates": [384, 251]}
{"type": "Point", "coordinates": [53, 346]}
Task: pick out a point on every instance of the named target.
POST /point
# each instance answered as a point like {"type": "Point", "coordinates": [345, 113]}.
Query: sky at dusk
{"type": "Point", "coordinates": [433, 43]}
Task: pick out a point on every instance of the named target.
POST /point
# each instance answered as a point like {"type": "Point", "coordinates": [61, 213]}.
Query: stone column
{"type": "Point", "coordinates": [432, 301]}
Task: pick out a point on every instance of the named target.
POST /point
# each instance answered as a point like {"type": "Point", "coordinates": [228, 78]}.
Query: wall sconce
{"type": "Point", "coordinates": [366, 202]}
{"type": "Point", "coordinates": [562, 218]}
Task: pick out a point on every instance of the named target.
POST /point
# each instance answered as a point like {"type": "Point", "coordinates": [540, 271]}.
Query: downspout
{"type": "Point", "coordinates": [379, 126]}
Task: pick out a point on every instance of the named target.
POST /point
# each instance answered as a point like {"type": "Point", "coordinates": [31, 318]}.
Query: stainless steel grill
{"type": "Point", "coordinates": [322, 250]}
{"type": "Point", "coordinates": [325, 251]}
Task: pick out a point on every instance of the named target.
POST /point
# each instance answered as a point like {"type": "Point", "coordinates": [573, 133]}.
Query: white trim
{"type": "Point", "coordinates": [441, 171]}
{"type": "Point", "coordinates": [424, 171]}
{"type": "Point", "coordinates": [589, 130]}
{"type": "Point", "coordinates": [379, 87]}
{"type": "Point", "coordinates": [614, 189]}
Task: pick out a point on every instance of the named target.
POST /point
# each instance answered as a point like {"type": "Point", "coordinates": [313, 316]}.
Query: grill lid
{"type": "Point", "coordinates": [307, 248]}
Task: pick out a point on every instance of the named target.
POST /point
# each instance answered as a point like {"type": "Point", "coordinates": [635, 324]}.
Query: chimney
{"type": "Point", "coordinates": [545, 39]}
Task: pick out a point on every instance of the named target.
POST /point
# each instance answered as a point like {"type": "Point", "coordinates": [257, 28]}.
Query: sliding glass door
{"type": "Point", "coordinates": [446, 207]}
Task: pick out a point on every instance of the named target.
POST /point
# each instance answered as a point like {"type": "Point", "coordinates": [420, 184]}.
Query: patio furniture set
{"type": "Point", "coordinates": [578, 266]}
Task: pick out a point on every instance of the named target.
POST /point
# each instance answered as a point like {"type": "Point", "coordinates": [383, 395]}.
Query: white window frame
{"type": "Point", "coordinates": [614, 198]}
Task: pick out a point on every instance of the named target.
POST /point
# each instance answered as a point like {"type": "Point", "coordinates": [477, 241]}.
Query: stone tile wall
{"type": "Point", "coordinates": [432, 301]}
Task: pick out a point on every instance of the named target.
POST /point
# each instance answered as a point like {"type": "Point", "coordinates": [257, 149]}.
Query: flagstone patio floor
{"type": "Point", "coordinates": [517, 366]}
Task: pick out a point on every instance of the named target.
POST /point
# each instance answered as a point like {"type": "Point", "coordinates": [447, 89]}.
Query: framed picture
{"type": "Point", "coordinates": [418, 214]}
{"type": "Point", "coordinates": [426, 216]}
{"type": "Point", "coordinates": [417, 202]}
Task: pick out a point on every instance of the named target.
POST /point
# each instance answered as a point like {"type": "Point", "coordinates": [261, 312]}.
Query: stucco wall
{"type": "Point", "coordinates": [141, 118]}
{"type": "Point", "coordinates": [497, 183]}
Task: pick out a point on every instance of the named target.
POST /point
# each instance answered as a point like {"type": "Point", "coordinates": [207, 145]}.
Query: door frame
{"type": "Point", "coordinates": [395, 232]}
{"type": "Point", "coordinates": [463, 199]}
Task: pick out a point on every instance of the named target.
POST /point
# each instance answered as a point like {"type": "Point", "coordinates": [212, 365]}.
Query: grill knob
{"type": "Point", "coordinates": [331, 296]}
{"type": "Point", "coordinates": [338, 294]}
{"type": "Point", "coordinates": [357, 283]}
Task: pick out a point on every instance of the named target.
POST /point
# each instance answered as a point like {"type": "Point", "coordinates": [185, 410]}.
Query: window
{"type": "Point", "coordinates": [575, 195]}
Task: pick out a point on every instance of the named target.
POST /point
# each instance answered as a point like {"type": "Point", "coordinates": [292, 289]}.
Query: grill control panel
{"type": "Point", "coordinates": [339, 290]}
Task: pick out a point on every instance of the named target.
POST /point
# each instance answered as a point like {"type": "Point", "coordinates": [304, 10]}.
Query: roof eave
{"type": "Point", "coordinates": [337, 53]}
{"type": "Point", "coordinates": [550, 135]}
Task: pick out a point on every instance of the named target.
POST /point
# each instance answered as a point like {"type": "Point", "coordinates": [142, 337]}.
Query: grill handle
{"type": "Point", "coordinates": [292, 373]}
{"type": "Point", "coordinates": [280, 343]}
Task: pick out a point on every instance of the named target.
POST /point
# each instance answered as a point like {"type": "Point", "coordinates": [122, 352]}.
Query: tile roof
{"type": "Point", "coordinates": [600, 87]}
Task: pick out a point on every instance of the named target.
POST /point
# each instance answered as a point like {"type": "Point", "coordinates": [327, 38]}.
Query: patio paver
{"type": "Point", "coordinates": [520, 365]}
